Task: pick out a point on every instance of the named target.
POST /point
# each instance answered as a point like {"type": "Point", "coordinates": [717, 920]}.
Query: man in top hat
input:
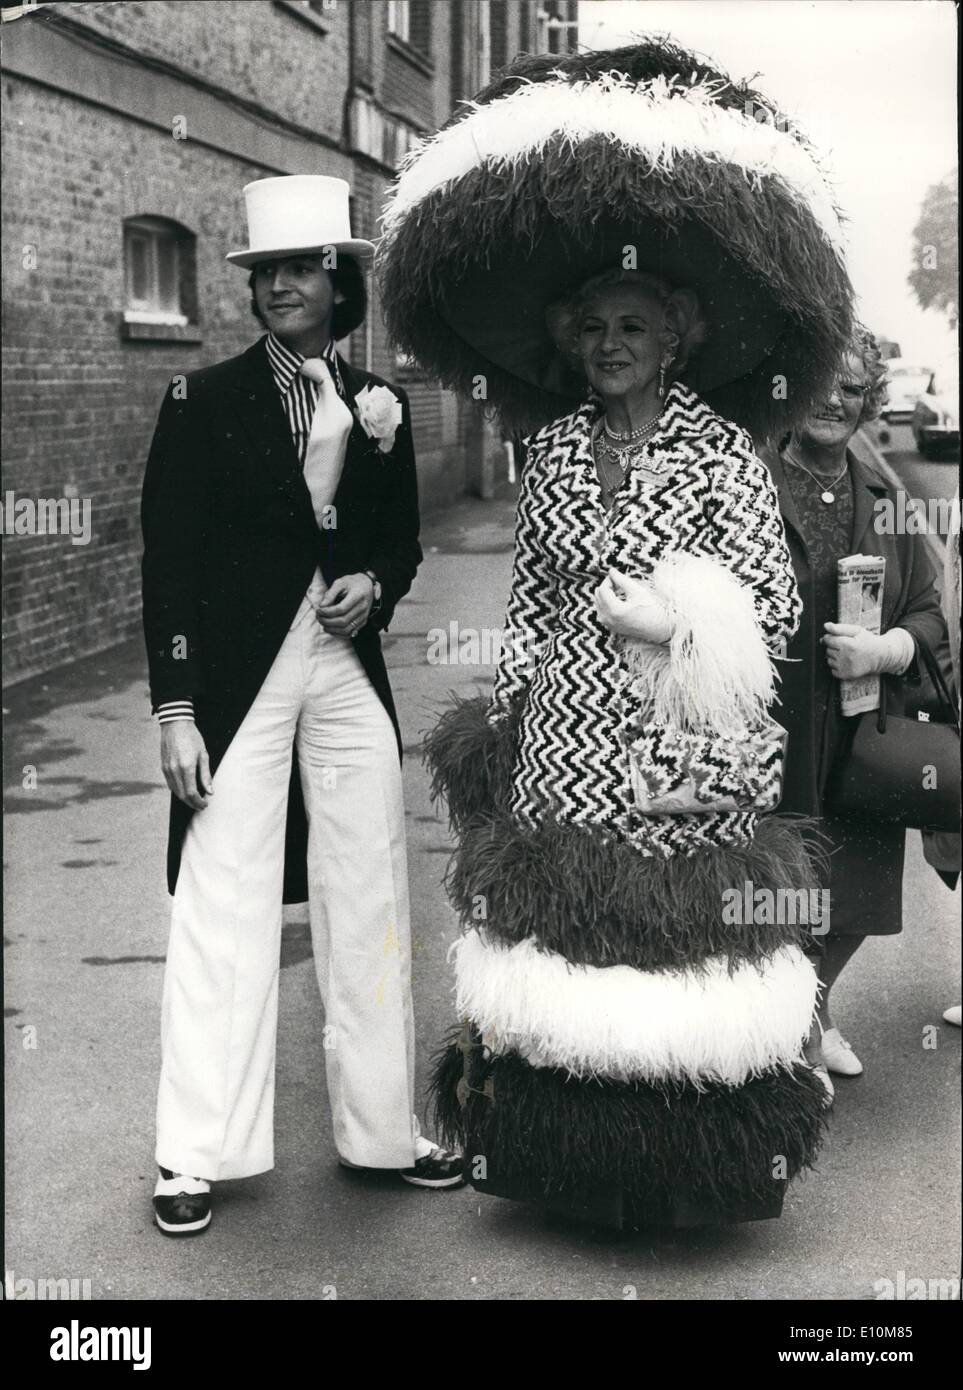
{"type": "Point", "coordinates": [280, 519]}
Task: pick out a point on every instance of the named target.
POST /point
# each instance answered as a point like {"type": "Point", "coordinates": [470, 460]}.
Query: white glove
{"type": "Point", "coordinates": [852, 651]}
{"type": "Point", "coordinates": [630, 607]}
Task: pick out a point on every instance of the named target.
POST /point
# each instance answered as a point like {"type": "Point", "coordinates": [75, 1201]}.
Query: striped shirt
{"type": "Point", "coordinates": [299, 396]}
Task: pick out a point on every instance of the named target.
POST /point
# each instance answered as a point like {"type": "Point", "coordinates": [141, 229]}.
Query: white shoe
{"type": "Point", "coordinates": [827, 1084]}
{"type": "Point", "coordinates": [954, 1015]}
{"type": "Point", "coordinates": [838, 1055]}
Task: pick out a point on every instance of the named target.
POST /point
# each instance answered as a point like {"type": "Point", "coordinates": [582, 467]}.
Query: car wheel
{"type": "Point", "coordinates": [924, 448]}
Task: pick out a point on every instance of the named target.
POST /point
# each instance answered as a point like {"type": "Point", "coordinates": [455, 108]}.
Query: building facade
{"type": "Point", "coordinates": [128, 131]}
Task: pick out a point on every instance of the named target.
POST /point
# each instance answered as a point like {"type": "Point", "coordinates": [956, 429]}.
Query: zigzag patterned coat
{"type": "Point", "coordinates": [627, 1042]}
{"type": "Point", "coordinates": [699, 489]}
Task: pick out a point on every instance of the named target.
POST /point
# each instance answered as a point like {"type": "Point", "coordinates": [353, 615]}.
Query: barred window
{"type": "Point", "coordinates": [481, 45]}
{"type": "Point", "coordinates": [410, 21]}
{"type": "Point", "coordinates": [420, 26]}
{"type": "Point", "coordinates": [556, 31]}
{"type": "Point", "coordinates": [499, 35]}
{"type": "Point", "coordinates": [399, 19]}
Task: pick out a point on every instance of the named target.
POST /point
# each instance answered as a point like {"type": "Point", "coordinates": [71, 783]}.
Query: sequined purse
{"type": "Point", "coordinates": [677, 774]}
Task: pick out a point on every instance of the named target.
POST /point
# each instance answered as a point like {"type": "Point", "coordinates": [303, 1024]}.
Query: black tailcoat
{"type": "Point", "coordinates": [231, 543]}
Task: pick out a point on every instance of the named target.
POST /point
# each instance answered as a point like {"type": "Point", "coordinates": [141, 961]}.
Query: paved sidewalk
{"type": "Point", "coordinates": [86, 923]}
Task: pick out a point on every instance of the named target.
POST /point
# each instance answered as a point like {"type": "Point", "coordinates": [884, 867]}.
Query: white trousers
{"type": "Point", "coordinates": [215, 1108]}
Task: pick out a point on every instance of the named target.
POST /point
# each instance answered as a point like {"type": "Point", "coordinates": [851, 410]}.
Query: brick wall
{"type": "Point", "coordinates": [87, 143]}
{"type": "Point", "coordinates": [259, 51]}
{"type": "Point", "coordinates": [79, 402]}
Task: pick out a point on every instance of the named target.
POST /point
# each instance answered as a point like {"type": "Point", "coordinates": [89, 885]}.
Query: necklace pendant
{"type": "Point", "coordinates": [828, 496]}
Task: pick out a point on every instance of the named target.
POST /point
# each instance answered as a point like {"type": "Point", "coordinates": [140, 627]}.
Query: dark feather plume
{"type": "Point", "coordinates": [596, 901]}
{"type": "Point", "coordinates": [480, 219]}
{"type": "Point", "coordinates": [543, 1134]}
{"type": "Point", "coordinates": [470, 759]}
{"type": "Point", "coordinates": [588, 895]}
{"type": "Point", "coordinates": [772, 234]}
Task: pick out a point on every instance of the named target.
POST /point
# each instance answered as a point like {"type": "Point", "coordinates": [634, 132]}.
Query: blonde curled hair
{"type": "Point", "coordinates": [864, 346]}
{"type": "Point", "coordinates": [683, 327]}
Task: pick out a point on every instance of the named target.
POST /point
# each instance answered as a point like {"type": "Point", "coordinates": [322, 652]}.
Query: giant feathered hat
{"type": "Point", "coordinates": [646, 157]}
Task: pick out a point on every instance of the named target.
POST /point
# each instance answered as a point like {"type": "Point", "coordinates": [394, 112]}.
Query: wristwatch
{"type": "Point", "coordinates": [376, 585]}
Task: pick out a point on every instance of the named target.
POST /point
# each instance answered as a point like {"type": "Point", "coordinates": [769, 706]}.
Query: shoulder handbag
{"type": "Point", "coordinates": [901, 771]}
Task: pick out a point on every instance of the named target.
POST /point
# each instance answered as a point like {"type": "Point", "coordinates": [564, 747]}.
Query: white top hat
{"type": "Point", "coordinates": [298, 215]}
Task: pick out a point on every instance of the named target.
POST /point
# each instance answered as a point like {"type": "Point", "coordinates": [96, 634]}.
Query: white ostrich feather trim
{"type": "Point", "coordinates": [657, 121]}
{"type": "Point", "coordinates": [626, 1024]}
{"type": "Point", "coordinates": [715, 675]}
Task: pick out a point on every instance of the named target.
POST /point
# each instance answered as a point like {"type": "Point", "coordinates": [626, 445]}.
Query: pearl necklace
{"type": "Point", "coordinates": [631, 442]}
{"type": "Point", "coordinates": [827, 494]}
{"type": "Point", "coordinates": [632, 434]}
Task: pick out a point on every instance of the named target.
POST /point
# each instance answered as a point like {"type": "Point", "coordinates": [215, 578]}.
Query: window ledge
{"type": "Point", "coordinates": [306, 16]}
{"type": "Point", "coordinates": [414, 56]}
{"type": "Point", "coordinates": [155, 316]}
{"type": "Point", "coordinates": [143, 330]}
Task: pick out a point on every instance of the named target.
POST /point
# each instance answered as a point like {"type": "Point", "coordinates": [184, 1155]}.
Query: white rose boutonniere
{"type": "Point", "coordinates": [379, 411]}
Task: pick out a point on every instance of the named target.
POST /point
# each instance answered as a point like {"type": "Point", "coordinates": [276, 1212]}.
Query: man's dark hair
{"type": "Point", "coordinates": [348, 279]}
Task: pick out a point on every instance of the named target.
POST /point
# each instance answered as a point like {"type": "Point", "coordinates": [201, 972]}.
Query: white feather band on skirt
{"type": "Point", "coordinates": [627, 1024]}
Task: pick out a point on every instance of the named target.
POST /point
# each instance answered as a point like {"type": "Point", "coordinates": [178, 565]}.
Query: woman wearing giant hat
{"type": "Point", "coordinates": [617, 245]}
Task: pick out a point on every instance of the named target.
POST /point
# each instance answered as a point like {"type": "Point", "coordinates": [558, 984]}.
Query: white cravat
{"type": "Point", "coordinates": [324, 457]}
{"type": "Point", "coordinates": [330, 427]}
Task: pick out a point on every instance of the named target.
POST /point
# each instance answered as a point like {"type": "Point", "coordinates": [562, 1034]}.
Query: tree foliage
{"type": "Point", "coordinates": [935, 277]}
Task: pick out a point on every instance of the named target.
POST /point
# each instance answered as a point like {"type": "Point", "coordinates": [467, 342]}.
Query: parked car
{"type": "Point", "coordinates": [936, 417]}
{"type": "Point", "coordinates": [907, 382]}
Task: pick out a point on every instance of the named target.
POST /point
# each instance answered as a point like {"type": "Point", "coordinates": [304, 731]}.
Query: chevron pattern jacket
{"type": "Point", "coordinates": [698, 489]}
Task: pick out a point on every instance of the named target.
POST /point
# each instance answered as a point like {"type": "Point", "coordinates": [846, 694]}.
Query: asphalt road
{"type": "Point", "coordinates": [86, 924]}
{"type": "Point", "coordinates": [923, 479]}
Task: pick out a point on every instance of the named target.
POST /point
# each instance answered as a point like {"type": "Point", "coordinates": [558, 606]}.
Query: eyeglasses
{"type": "Point", "coordinates": [851, 390]}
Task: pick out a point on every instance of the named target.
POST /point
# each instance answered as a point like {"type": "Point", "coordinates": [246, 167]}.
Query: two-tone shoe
{"type": "Point", "coordinates": [437, 1168]}
{"type": "Point", "coordinates": [182, 1205]}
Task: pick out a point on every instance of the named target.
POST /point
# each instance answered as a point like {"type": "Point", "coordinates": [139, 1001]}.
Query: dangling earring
{"type": "Point", "coordinates": [671, 343]}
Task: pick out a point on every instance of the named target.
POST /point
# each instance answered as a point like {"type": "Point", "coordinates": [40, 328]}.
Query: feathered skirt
{"type": "Point", "coordinates": [630, 1027]}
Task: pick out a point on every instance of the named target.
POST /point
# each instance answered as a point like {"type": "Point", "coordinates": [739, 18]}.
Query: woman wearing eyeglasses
{"type": "Point", "coordinates": [829, 501]}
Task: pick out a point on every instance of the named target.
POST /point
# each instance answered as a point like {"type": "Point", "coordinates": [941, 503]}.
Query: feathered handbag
{"type": "Point", "coordinates": [702, 739]}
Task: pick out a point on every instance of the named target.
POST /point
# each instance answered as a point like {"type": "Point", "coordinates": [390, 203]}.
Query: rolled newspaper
{"type": "Point", "coordinates": [860, 580]}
